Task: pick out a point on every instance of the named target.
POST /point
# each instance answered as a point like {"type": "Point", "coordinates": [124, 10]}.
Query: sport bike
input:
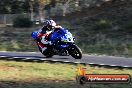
{"type": "Point", "coordinates": [62, 43]}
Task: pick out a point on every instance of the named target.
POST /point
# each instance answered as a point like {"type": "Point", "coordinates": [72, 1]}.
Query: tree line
{"type": "Point", "coordinates": [21, 6]}
{"type": "Point", "coordinates": [25, 6]}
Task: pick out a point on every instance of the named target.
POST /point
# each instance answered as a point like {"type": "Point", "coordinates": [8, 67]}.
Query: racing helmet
{"type": "Point", "coordinates": [34, 34]}
{"type": "Point", "coordinates": [50, 23]}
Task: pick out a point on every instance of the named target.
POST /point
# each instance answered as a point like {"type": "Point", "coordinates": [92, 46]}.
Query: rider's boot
{"type": "Point", "coordinates": [43, 49]}
{"type": "Point", "coordinates": [42, 46]}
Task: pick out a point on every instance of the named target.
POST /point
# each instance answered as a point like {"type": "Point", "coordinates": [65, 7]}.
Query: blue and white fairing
{"type": "Point", "coordinates": [67, 37]}
{"type": "Point", "coordinates": [64, 37]}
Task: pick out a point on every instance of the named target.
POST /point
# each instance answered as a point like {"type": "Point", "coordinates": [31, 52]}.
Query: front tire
{"type": "Point", "coordinates": [75, 52]}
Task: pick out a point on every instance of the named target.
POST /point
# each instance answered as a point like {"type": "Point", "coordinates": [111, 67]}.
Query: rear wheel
{"type": "Point", "coordinates": [75, 52]}
{"type": "Point", "coordinates": [48, 52]}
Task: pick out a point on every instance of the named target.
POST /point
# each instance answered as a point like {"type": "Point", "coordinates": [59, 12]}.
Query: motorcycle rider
{"type": "Point", "coordinates": [44, 33]}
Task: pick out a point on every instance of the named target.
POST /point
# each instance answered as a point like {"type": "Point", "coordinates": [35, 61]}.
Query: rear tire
{"type": "Point", "coordinates": [75, 52]}
{"type": "Point", "coordinates": [48, 52]}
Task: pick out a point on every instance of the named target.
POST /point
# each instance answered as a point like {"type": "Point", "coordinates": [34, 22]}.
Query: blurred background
{"type": "Point", "coordinates": [99, 26]}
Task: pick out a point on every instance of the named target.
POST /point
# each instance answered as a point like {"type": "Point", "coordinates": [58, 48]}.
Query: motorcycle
{"type": "Point", "coordinates": [62, 43]}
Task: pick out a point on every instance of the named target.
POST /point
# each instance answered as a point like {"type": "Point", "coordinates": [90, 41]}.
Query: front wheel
{"type": "Point", "coordinates": [75, 52]}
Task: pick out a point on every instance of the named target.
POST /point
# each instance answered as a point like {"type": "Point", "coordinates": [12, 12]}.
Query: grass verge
{"type": "Point", "coordinates": [51, 75]}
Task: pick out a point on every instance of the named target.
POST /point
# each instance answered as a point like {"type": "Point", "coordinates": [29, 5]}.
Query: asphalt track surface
{"type": "Point", "coordinates": [87, 59]}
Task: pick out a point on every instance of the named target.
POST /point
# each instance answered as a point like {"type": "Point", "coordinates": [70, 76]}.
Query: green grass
{"type": "Point", "coordinates": [51, 75]}
{"type": "Point", "coordinates": [17, 39]}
